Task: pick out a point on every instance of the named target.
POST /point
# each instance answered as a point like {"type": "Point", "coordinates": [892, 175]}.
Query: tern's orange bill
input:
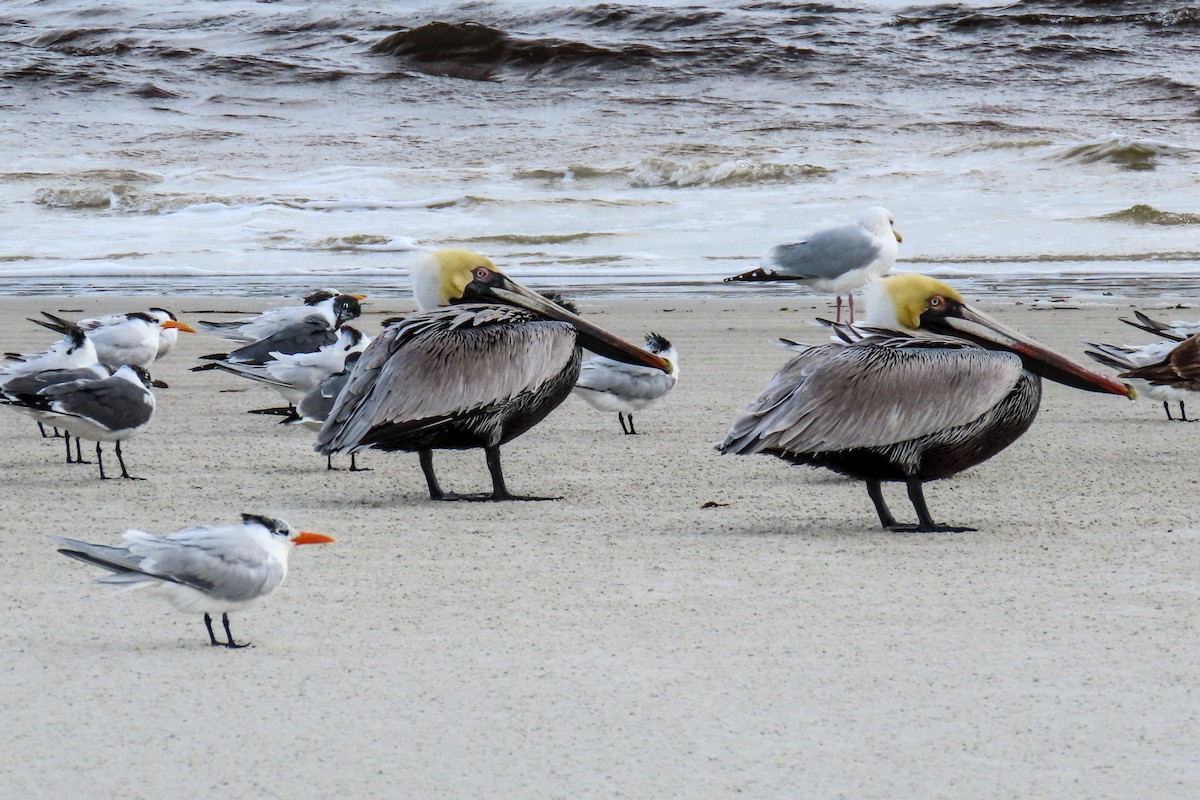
{"type": "Point", "coordinates": [179, 326]}
{"type": "Point", "coordinates": [308, 537]}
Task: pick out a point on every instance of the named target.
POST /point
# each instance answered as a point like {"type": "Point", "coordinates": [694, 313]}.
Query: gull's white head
{"type": "Point", "coordinates": [881, 223]}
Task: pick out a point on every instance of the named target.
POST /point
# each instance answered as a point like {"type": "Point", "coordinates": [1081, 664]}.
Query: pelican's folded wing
{"type": "Point", "coordinates": [837, 397]}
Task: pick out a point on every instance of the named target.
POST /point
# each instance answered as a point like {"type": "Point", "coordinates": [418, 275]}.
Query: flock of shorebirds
{"type": "Point", "coordinates": [484, 359]}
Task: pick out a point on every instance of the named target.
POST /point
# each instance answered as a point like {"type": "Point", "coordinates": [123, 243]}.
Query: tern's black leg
{"type": "Point", "coordinates": [1183, 412]}
{"type": "Point", "coordinates": [208, 624]}
{"type": "Point", "coordinates": [1167, 408]}
{"type": "Point", "coordinates": [329, 467]}
{"type": "Point", "coordinates": [631, 430]}
{"type": "Point", "coordinates": [100, 462]}
{"type": "Point", "coordinates": [229, 636]}
{"type": "Point", "coordinates": [78, 455]}
{"type": "Point", "coordinates": [69, 460]}
{"type": "Point", "coordinates": [42, 429]}
{"type": "Point", "coordinates": [621, 417]}
{"type": "Point", "coordinates": [916, 493]}
{"type": "Point", "coordinates": [124, 472]}
{"type": "Point", "coordinates": [354, 467]}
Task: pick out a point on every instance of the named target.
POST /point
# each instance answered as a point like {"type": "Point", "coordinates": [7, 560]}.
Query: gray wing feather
{"type": "Point", "coordinates": [633, 382]}
{"type": "Point", "coordinates": [827, 254]}
{"type": "Point", "coordinates": [837, 397]}
{"type": "Point", "coordinates": [210, 560]}
{"type": "Point", "coordinates": [306, 336]}
{"type": "Point", "coordinates": [114, 403]}
{"type": "Point", "coordinates": [445, 362]}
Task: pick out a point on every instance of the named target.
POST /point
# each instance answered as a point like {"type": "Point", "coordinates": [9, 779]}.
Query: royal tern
{"type": "Point", "coordinates": [294, 375]}
{"type": "Point", "coordinates": [610, 385]}
{"type": "Point", "coordinates": [899, 407]}
{"type": "Point", "coordinates": [313, 409]}
{"type": "Point", "coordinates": [1126, 359]}
{"type": "Point", "coordinates": [216, 569]}
{"type": "Point", "coordinates": [834, 260]}
{"type": "Point", "coordinates": [120, 339]}
{"type": "Point", "coordinates": [1176, 330]}
{"type": "Point", "coordinates": [72, 351]}
{"type": "Point", "coordinates": [37, 381]}
{"type": "Point", "coordinates": [109, 409]}
{"type": "Point", "coordinates": [484, 361]}
{"type": "Point", "coordinates": [329, 304]}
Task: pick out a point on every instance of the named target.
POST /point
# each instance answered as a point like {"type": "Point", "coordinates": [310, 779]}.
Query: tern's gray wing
{"type": "Point", "coordinates": [836, 397]}
{"type": "Point", "coordinates": [445, 362]}
{"type": "Point", "coordinates": [629, 381]}
{"type": "Point", "coordinates": [306, 336]}
{"type": "Point", "coordinates": [37, 381]}
{"type": "Point", "coordinates": [826, 254]}
{"type": "Point", "coordinates": [221, 562]}
{"type": "Point", "coordinates": [114, 403]}
{"type": "Point", "coordinates": [126, 567]}
{"type": "Point", "coordinates": [319, 401]}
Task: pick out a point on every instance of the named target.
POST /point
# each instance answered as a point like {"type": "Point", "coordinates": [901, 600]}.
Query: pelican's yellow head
{"type": "Point", "coordinates": [443, 276]}
{"type": "Point", "coordinates": [898, 301]}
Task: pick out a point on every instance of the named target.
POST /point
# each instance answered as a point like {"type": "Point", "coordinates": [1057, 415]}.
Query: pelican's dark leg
{"type": "Point", "coordinates": [228, 635]}
{"type": "Point", "coordinates": [851, 308]}
{"type": "Point", "coordinates": [124, 473]}
{"type": "Point", "coordinates": [435, 491]}
{"type": "Point", "coordinates": [916, 493]}
{"type": "Point", "coordinates": [875, 490]}
{"type": "Point", "coordinates": [499, 490]}
{"type": "Point", "coordinates": [839, 308]}
{"type": "Point", "coordinates": [621, 417]}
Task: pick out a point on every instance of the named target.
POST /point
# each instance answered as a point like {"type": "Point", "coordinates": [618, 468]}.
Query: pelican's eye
{"type": "Point", "coordinates": [481, 273]}
{"type": "Point", "coordinates": [937, 303]}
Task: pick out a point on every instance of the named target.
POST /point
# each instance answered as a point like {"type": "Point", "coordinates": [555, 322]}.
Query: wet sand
{"type": "Point", "coordinates": [624, 641]}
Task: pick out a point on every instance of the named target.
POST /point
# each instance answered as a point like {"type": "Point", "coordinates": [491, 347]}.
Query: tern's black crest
{"type": "Point", "coordinates": [657, 343]}
{"type": "Point", "coordinates": [275, 526]}
{"type": "Point", "coordinates": [319, 296]}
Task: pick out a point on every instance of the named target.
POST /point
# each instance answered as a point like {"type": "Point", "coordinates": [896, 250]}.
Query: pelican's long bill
{"type": "Point", "coordinates": [596, 339]}
{"type": "Point", "coordinates": [968, 323]}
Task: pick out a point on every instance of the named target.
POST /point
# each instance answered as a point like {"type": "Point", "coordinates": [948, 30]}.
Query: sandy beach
{"type": "Point", "coordinates": [624, 641]}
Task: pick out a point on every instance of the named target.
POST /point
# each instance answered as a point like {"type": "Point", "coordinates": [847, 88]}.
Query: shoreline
{"type": "Point", "coordinates": [624, 640]}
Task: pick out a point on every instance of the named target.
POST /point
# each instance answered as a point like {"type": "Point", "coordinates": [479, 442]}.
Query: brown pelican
{"type": "Point", "coordinates": [837, 260]}
{"type": "Point", "coordinates": [484, 361]}
{"type": "Point", "coordinates": [900, 407]}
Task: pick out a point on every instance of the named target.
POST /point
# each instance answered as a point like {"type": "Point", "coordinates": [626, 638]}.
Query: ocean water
{"type": "Point", "coordinates": [239, 147]}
